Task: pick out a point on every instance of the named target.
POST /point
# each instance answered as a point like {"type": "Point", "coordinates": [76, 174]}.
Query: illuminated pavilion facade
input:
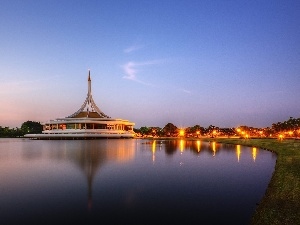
{"type": "Point", "coordinates": [88, 122]}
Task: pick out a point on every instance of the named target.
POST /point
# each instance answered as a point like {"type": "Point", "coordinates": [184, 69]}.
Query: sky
{"type": "Point", "coordinates": [187, 62]}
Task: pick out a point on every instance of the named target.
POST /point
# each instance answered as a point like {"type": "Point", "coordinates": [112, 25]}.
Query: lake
{"type": "Point", "coordinates": [130, 181]}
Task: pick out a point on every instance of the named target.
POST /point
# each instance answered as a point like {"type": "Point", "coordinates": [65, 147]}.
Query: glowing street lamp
{"type": "Point", "coordinates": [214, 133]}
{"type": "Point", "coordinates": [181, 133]}
{"type": "Point", "coordinates": [280, 137]}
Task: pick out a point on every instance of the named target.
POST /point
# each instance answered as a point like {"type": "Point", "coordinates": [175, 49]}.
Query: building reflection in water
{"type": "Point", "coordinates": [89, 159]}
{"type": "Point", "coordinates": [90, 155]}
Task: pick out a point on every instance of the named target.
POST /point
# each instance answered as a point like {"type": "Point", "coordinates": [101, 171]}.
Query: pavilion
{"type": "Point", "coordinates": [88, 122]}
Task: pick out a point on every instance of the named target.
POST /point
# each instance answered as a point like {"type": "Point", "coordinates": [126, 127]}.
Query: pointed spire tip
{"type": "Point", "coordinates": [89, 78]}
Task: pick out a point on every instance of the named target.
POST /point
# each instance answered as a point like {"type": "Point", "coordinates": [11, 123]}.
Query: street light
{"type": "Point", "coordinates": [181, 133]}
{"type": "Point", "coordinates": [280, 137]}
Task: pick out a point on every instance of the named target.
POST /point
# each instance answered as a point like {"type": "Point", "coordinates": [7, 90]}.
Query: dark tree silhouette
{"type": "Point", "coordinates": [31, 127]}
{"type": "Point", "coordinates": [170, 130]}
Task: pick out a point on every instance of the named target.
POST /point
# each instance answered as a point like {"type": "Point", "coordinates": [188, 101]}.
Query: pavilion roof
{"type": "Point", "coordinates": [89, 107]}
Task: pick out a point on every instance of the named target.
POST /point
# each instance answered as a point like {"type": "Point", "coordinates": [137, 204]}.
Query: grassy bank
{"type": "Point", "coordinates": [281, 203]}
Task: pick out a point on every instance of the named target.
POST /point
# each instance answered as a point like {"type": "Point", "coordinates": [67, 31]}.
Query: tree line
{"type": "Point", "coordinates": [290, 127]}
{"type": "Point", "coordinates": [28, 127]}
{"type": "Point", "coordinates": [171, 130]}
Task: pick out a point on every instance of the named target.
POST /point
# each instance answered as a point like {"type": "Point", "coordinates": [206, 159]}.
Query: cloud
{"type": "Point", "coordinates": [133, 48]}
{"type": "Point", "coordinates": [185, 91]}
{"type": "Point", "coordinates": [131, 69]}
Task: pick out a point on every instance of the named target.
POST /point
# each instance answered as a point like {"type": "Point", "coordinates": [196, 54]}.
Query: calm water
{"type": "Point", "coordinates": [130, 182]}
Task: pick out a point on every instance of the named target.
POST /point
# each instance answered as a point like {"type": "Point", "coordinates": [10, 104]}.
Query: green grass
{"type": "Point", "coordinates": [281, 202]}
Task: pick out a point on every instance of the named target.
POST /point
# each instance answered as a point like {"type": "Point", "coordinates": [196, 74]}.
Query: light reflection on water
{"type": "Point", "coordinates": [130, 181]}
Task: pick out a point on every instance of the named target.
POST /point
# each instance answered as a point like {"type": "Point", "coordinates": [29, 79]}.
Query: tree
{"type": "Point", "coordinates": [5, 132]}
{"type": "Point", "coordinates": [198, 130]}
{"type": "Point", "coordinates": [145, 130]}
{"type": "Point", "coordinates": [155, 131]}
{"type": "Point", "coordinates": [170, 130]}
{"type": "Point", "coordinates": [31, 127]}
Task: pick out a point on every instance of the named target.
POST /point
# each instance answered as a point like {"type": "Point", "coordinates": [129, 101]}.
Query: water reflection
{"type": "Point", "coordinates": [254, 152]}
{"type": "Point", "coordinates": [198, 147]}
{"type": "Point", "coordinates": [238, 152]}
{"type": "Point", "coordinates": [153, 150]}
{"type": "Point", "coordinates": [89, 159]}
{"type": "Point", "coordinates": [182, 145]}
{"type": "Point", "coordinates": [91, 156]}
{"type": "Point", "coordinates": [94, 180]}
{"type": "Point", "coordinates": [87, 155]}
{"type": "Point", "coordinates": [214, 148]}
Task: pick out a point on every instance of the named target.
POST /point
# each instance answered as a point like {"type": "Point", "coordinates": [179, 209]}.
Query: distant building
{"type": "Point", "coordinates": [88, 122]}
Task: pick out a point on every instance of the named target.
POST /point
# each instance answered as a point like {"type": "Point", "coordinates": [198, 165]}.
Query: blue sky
{"type": "Point", "coordinates": [188, 62]}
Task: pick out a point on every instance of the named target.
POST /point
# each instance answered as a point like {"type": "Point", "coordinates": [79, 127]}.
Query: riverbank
{"type": "Point", "coordinates": [281, 203]}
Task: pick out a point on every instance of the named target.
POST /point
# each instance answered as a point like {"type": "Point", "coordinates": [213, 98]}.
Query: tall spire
{"type": "Point", "coordinates": [89, 108]}
{"type": "Point", "coordinates": [89, 84]}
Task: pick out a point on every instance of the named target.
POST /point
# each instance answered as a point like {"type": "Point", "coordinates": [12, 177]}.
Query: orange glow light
{"type": "Point", "coordinates": [181, 132]}
{"type": "Point", "coordinates": [238, 152]}
{"type": "Point", "coordinates": [198, 145]}
{"type": "Point", "coordinates": [280, 136]}
{"type": "Point", "coordinates": [214, 148]}
{"type": "Point", "coordinates": [153, 150]}
{"type": "Point", "coordinates": [254, 153]}
{"type": "Point", "coordinates": [181, 146]}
